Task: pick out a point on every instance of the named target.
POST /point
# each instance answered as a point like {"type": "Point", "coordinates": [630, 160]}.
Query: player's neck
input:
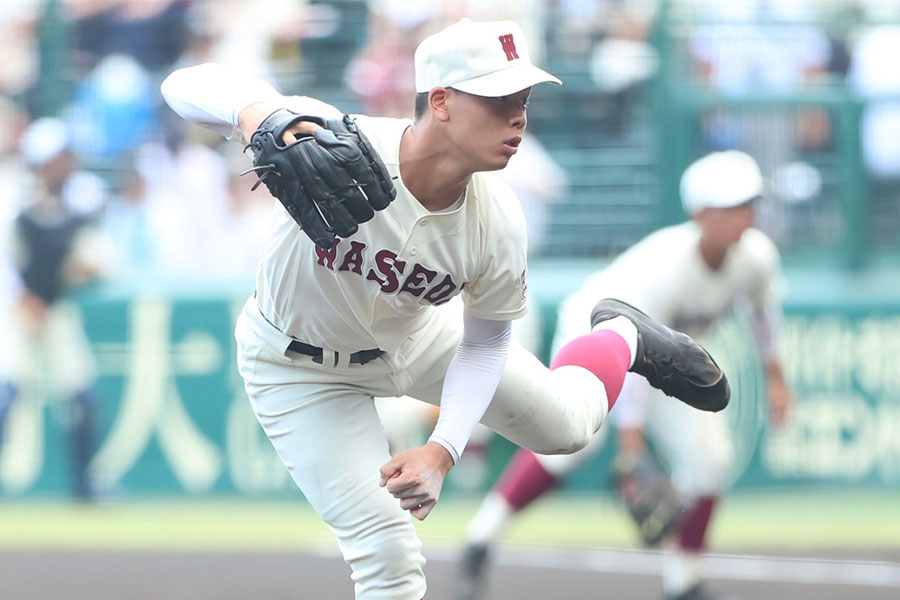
{"type": "Point", "coordinates": [713, 255]}
{"type": "Point", "coordinates": [427, 172]}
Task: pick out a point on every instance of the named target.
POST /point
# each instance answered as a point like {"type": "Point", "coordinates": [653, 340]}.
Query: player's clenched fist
{"type": "Point", "coordinates": [416, 476]}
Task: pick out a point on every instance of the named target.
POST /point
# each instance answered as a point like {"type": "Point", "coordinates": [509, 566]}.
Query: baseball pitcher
{"type": "Point", "coordinates": [380, 222]}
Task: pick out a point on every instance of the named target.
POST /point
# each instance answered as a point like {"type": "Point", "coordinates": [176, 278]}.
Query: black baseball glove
{"type": "Point", "coordinates": [329, 183]}
{"type": "Point", "coordinates": [654, 505]}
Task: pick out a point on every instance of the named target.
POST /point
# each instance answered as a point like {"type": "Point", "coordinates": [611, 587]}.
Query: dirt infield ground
{"type": "Point", "coordinates": [839, 547]}
{"type": "Point", "coordinates": [519, 574]}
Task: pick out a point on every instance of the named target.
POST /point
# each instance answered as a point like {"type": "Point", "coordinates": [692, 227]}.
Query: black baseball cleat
{"type": "Point", "coordinates": [472, 569]}
{"type": "Point", "coordinates": [670, 361]}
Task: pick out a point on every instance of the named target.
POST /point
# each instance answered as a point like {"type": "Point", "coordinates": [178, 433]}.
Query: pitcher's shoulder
{"type": "Point", "coordinates": [384, 133]}
{"type": "Point", "coordinates": [760, 249]}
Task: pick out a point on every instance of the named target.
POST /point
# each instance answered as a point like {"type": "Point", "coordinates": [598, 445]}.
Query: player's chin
{"type": "Point", "coordinates": [497, 163]}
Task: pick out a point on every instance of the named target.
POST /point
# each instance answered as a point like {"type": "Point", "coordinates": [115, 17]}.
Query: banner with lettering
{"type": "Point", "coordinates": [173, 417]}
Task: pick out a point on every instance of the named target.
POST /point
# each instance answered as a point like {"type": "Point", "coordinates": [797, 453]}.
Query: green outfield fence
{"type": "Point", "coordinates": [175, 420]}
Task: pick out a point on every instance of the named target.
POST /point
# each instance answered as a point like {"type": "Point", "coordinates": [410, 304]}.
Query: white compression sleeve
{"type": "Point", "coordinates": [212, 96]}
{"type": "Point", "coordinates": [471, 380]}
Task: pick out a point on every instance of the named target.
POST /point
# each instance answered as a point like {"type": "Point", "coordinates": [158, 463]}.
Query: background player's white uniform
{"type": "Point", "coordinates": [679, 289]}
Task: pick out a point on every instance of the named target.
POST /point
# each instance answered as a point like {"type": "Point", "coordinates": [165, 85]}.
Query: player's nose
{"type": "Point", "coordinates": [518, 119]}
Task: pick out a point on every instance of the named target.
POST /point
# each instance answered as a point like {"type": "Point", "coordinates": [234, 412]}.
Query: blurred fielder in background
{"type": "Point", "coordinates": [689, 276]}
{"type": "Point", "coordinates": [55, 247]}
{"type": "Point", "coordinates": [334, 322]}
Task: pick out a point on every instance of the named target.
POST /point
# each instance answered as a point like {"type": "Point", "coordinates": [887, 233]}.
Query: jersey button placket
{"type": "Point", "coordinates": [413, 236]}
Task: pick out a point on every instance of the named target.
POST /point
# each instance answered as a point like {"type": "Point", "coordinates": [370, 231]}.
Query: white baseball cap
{"type": "Point", "coordinates": [720, 180]}
{"type": "Point", "coordinates": [484, 58]}
{"type": "Point", "coordinates": [44, 139]}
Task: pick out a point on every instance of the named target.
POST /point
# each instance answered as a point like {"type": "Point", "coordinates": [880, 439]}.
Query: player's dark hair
{"type": "Point", "coordinates": [421, 105]}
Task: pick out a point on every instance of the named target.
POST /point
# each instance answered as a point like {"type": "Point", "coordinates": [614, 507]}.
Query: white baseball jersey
{"type": "Point", "coordinates": [376, 288]}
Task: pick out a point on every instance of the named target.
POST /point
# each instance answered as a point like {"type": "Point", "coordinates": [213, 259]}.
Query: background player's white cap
{"type": "Point", "coordinates": [44, 139]}
{"type": "Point", "coordinates": [484, 58]}
{"type": "Point", "coordinates": [720, 180]}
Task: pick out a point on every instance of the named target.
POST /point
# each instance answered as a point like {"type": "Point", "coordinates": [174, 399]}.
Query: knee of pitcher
{"type": "Point", "coordinates": [566, 442]}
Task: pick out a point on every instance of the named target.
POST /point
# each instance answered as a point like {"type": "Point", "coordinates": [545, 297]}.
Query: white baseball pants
{"type": "Point", "coordinates": [323, 424]}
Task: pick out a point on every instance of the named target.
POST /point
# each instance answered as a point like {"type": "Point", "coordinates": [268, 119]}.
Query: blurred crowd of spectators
{"type": "Point", "coordinates": [172, 204]}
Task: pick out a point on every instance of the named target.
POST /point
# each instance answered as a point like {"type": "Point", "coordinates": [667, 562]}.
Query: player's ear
{"type": "Point", "coordinates": [437, 102]}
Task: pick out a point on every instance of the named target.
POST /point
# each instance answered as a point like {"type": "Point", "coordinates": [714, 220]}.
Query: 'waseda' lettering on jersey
{"type": "Point", "coordinates": [390, 273]}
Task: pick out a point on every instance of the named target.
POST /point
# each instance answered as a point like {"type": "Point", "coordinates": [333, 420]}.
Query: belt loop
{"type": "Point", "coordinates": [329, 357]}
{"type": "Point", "coordinates": [342, 360]}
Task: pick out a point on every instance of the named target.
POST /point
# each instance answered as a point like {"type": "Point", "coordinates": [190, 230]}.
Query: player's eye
{"type": "Point", "coordinates": [506, 98]}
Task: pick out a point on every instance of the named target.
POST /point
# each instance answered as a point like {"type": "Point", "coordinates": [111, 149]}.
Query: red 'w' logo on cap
{"type": "Point", "coordinates": [509, 46]}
